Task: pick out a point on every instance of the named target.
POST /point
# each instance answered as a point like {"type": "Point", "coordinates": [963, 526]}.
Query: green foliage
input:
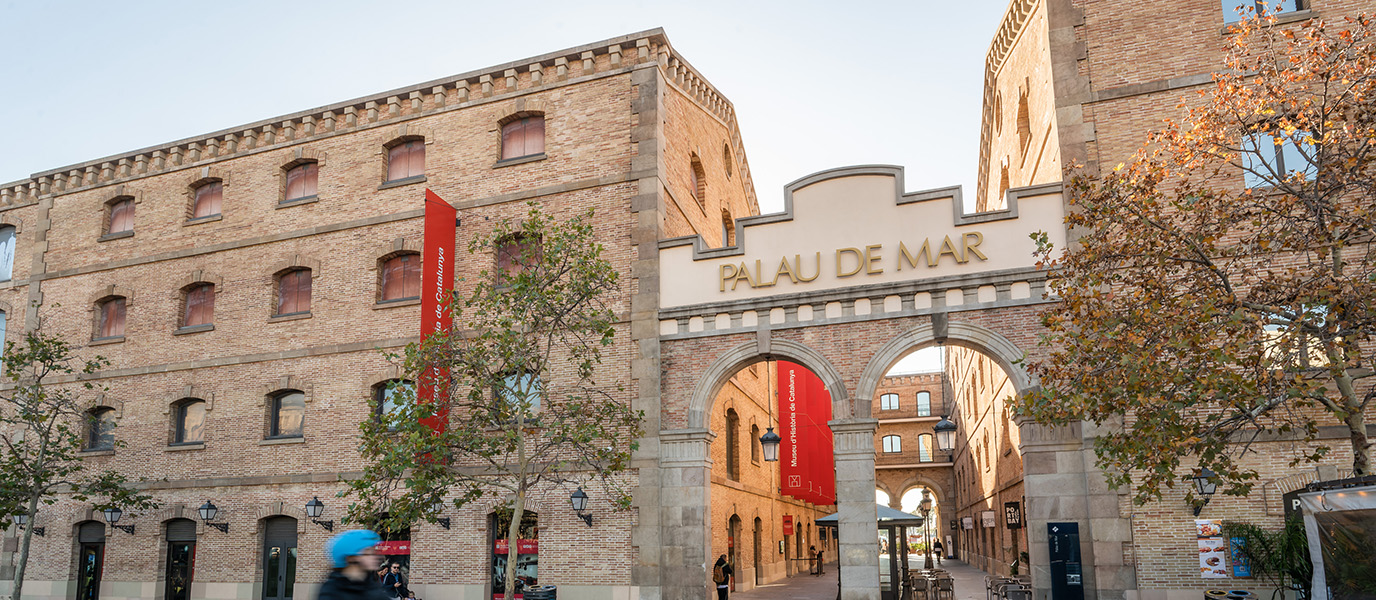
{"type": "Point", "coordinates": [1197, 315]}
{"type": "Point", "coordinates": [523, 404]}
{"type": "Point", "coordinates": [43, 422]}
{"type": "Point", "coordinates": [1279, 557]}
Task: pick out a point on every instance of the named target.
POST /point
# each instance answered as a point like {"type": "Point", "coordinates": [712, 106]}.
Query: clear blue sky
{"type": "Point", "coordinates": [816, 85]}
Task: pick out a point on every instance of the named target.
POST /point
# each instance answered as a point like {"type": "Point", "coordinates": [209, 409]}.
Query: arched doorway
{"type": "Point", "coordinates": [279, 558]}
{"type": "Point", "coordinates": [90, 559]}
{"type": "Point", "coordinates": [755, 550]}
{"type": "Point", "coordinates": [181, 559]}
{"type": "Point", "coordinates": [733, 544]}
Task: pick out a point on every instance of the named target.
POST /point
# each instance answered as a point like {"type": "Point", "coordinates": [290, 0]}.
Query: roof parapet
{"type": "Point", "coordinates": [448, 93]}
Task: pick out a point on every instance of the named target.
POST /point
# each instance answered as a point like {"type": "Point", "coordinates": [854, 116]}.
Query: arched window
{"type": "Point", "coordinates": [188, 425]}
{"type": "Point", "coordinates": [302, 181]}
{"type": "Point", "coordinates": [733, 425]}
{"type": "Point", "coordinates": [288, 414]}
{"type": "Point", "coordinates": [1024, 121]}
{"type": "Point", "coordinates": [389, 395]}
{"type": "Point", "coordinates": [754, 443]}
{"type": "Point", "coordinates": [888, 402]}
{"type": "Point", "coordinates": [294, 292]}
{"type": "Point", "coordinates": [100, 428]}
{"type": "Point", "coordinates": [199, 305]}
{"type": "Point", "coordinates": [924, 404]}
{"type": "Point", "coordinates": [110, 317]}
{"type": "Point", "coordinates": [523, 137]}
{"type": "Point", "coordinates": [998, 113]}
{"type": "Point", "coordinates": [727, 160]}
{"type": "Point", "coordinates": [893, 443]}
{"type": "Point", "coordinates": [120, 215]}
{"type": "Point", "coordinates": [516, 253]}
{"type": "Point", "coordinates": [924, 448]}
{"type": "Point", "coordinates": [207, 199]}
{"type": "Point", "coordinates": [521, 388]}
{"type": "Point", "coordinates": [6, 252]}
{"type": "Point", "coordinates": [406, 159]}
{"type": "Point", "coordinates": [698, 181]}
{"type": "Point", "coordinates": [401, 277]}
{"type": "Point", "coordinates": [987, 455]}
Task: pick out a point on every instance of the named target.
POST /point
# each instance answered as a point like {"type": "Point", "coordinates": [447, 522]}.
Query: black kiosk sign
{"type": "Point", "coordinates": [1067, 576]}
{"type": "Point", "coordinates": [1012, 515]}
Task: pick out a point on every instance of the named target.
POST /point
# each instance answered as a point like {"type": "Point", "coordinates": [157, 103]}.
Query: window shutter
{"type": "Point", "coordinates": [121, 216]}
{"type": "Point", "coordinates": [112, 318]}
{"type": "Point", "coordinates": [181, 530]}
{"type": "Point", "coordinates": [208, 199]}
{"type": "Point", "coordinates": [200, 305]}
{"type": "Point", "coordinates": [280, 532]}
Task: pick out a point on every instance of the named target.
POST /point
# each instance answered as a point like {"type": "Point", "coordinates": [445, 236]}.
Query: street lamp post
{"type": "Point", "coordinates": [926, 524]}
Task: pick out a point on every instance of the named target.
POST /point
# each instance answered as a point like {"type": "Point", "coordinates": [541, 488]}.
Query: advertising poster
{"type": "Point", "coordinates": [806, 466]}
{"type": "Point", "coordinates": [1213, 548]}
{"type": "Point", "coordinates": [1242, 566]}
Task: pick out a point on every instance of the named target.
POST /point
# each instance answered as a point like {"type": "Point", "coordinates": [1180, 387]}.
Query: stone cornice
{"type": "Point", "coordinates": [615, 55]}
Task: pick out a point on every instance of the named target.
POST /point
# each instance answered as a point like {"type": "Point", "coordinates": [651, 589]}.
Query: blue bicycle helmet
{"type": "Point", "coordinates": [349, 543]}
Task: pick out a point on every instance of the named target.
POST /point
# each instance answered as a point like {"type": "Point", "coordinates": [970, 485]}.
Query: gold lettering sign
{"type": "Point", "coordinates": [849, 262]}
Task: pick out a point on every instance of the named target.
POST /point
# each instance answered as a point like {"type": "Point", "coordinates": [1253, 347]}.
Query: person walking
{"type": "Point", "coordinates": [721, 575]}
{"type": "Point", "coordinates": [355, 559]}
{"type": "Point", "coordinates": [820, 564]}
{"type": "Point", "coordinates": [939, 550]}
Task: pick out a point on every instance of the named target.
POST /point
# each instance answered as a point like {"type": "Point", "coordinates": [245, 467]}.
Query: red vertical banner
{"type": "Point", "coordinates": [806, 467]}
{"type": "Point", "coordinates": [437, 282]}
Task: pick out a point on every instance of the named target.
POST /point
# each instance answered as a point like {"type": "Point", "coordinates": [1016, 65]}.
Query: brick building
{"type": "Point", "coordinates": [244, 284]}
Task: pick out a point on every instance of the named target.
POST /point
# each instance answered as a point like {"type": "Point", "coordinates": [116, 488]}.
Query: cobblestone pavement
{"type": "Point", "coordinates": [969, 585]}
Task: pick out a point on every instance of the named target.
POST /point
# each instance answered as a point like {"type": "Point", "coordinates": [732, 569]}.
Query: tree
{"type": "Point", "coordinates": [1219, 289]}
{"type": "Point", "coordinates": [522, 406]}
{"type": "Point", "coordinates": [43, 428]}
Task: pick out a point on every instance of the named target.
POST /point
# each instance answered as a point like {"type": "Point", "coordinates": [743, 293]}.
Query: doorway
{"type": "Point", "coordinates": [181, 559]}
{"type": "Point", "coordinates": [759, 577]}
{"type": "Point", "coordinates": [90, 560]}
{"type": "Point", "coordinates": [279, 558]}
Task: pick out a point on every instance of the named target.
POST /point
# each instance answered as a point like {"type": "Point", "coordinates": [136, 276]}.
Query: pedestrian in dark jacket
{"type": "Point", "coordinates": [721, 576]}
{"type": "Point", "coordinates": [394, 583]}
{"type": "Point", "coordinates": [355, 559]}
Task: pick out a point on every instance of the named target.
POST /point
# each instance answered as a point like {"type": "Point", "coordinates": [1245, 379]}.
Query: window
{"type": "Point", "coordinates": [1286, 345]}
{"type": "Point", "coordinates": [998, 113]}
{"type": "Point", "coordinates": [100, 429]}
{"type": "Point", "coordinates": [727, 160]}
{"type": "Point", "coordinates": [405, 160]}
{"type": "Point", "coordinates": [207, 202]}
{"type": "Point", "coordinates": [389, 396]}
{"type": "Point", "coordinates": [892, 444]}
{"type": "Point", "coordinates": [924, 404]}
{"type": "Point", "coordinates": [755, 443]}
{"type": "Point", "coordinates": [924, 448]}
{"type": "Point", "coordinates": [1236, 10]}
{"type": "Point", "coordinates": [733, 425]}
{"type": "Point", "coordinates": [111, 317]}
{"type": "Point", "coordinates": [515, 254]}
{"type": "Point", "coordinates": [1268, 159]}
{"type": "Point", "coordinates": [302, 180]}
{"type": "Point", "coordinates": [4, 318]}
{"type": "Point", "coordinates": [189, 427]}
{"type": "Point", "coordinates": [888, 402]}
{"type": "Point", "coordinates": [6, 252]}
{"type": "Point", "coordinates": [120, 216]}
{"type": "Point", "coordinates": [698, 181]}
{"type": "Point", "coordinates": [288, 414]}
{"type": "Point", "coordinates": [200, 305]}
{"type": "Point", "coordinates": [523, 137]}
{"type": "Point", "coordinates": [401, 277]}
{"type": "Point", "coordinates": [294, 292]}
{"type": "Point", "coordinates": [1024, 122]}
{"type": "Point", "coordinates": [521, 389]}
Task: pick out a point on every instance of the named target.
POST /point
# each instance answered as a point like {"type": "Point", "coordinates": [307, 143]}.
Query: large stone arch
{"type": "Point", "coordinates": [730, 362]}
{"type": "Point", "coordinates": [955, 333]}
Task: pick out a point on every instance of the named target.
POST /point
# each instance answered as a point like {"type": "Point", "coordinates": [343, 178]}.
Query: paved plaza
{"type": "Point", "coordinates": [969, 584]}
